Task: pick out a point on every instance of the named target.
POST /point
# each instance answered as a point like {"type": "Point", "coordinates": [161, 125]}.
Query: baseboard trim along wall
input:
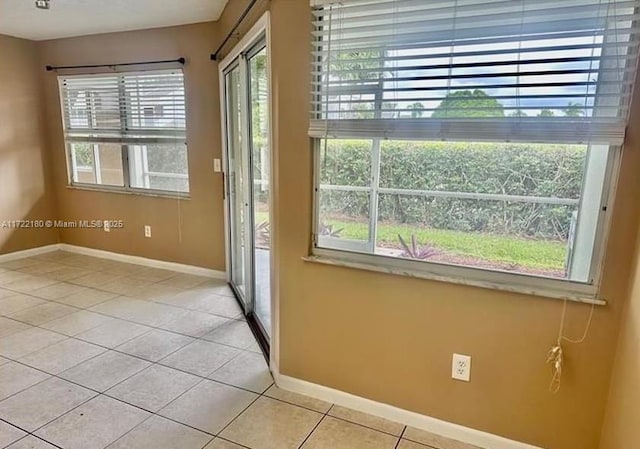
{"type": "Point", "coordinates": [423, 422]}
{"type": "Point", "coordinates": [152, 263]}
{"type": "Point", "coordinates": [9, 257]}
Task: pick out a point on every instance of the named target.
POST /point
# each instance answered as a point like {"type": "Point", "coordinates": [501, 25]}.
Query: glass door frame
{"type": "Point", "coordinates": [254, 41]}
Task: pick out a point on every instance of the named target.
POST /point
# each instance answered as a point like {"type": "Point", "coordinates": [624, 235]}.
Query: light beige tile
{"type": "Point", "coordinates": [9, 434]}
{"type": "Point", "coordinates": [123, 269]}
{"type": "Point", "coordinates": [113, 333]}
{"type": "Point", "coordinates": [89, 298]}
{"type": "Point", "coordinates": [155, 345]}
{"type": "Point", "coordinates": [406, 444]}
{"type": "Point", "coordinates": [43, 313]}
{"type": "Point", "coordinates": [16, 377]}
{"type": "Point", "coordinates": [298, 399]}
{"type": "Point", "coordinates": [59, 290]}
{"type": "Point", "coordinates": [338, 434]}
{"type": "Point", "coordinates": [234, 333]}
{"type": "Point", "coordinates": [192, 323]}
{"type": "Point", "coordinates": [226, 306]}
{"type": "Point", "coordinates": [9, 277]}
{"type": "Point", "coordinates": [25, 342]}
{"type": "Point", "coordinates": [42, 267]}
{"type": "Point", "coordinates": [249, 371]}
{"type": "Point", "coordinates": [93, 425]}
{"type": "Point", "coordinates": [158, 293]}
{"type": "Point", "coordinates": [95, 279]}
{"type": "Point", "coordinates": [18, 263]}
{"type": "Point", "coordinates": [28, 284]}
{"type": "Point", "coordinates": [31, 442]}
{"type": "Point", "coordinates": [183, 281]}
{"type": "Point", "coordinates": [160, 433]}
{"type": "Point", "coordinates": [61, 356]}
{"type": "Point", "coordinates": [216, 287]}
{"type": "Point", "coordinates": [76, 323]}
{"type": "Point", "coordinates": [53, 256]}
{"type": "Point", "coordinates": [433, 440]}
{"type": "Point", "coordinates": [105, 371]}
{"type": "Point", "coordinates": [67, 273]}
{"type": "Point", "coordinates": [200, 357]}
{"type": "Point", "coordinates": [8, 327]}
{"type": "Point", "coordinates": [153, 274]}
{"type": "Point", "coordinates": [354, 416]}
{"type": "Point", "coordinates": [154, 387]}
{"type": "Point", "coordinates": [4, 293]}
{"type": "Point", "coordinates": [42, 403]}
{"type": "Point", "coordinates": [17, 302]}
{"type": "Point", "coordinates": [120, 307]}
{"type": "Point", "coordinates": [271, 424]}
{"type": "Point", "coordinates": [222, 444]}
{"type": "Point", "coordinates": [209, 406]}
{"type": "Point", "coordinates": [126, 286]}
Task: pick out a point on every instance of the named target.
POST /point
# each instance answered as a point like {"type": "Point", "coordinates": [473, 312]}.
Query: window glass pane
{"type": "Point", "coordinates": [159, 167]}
{"type": "Point", "coordinates": [99, 164]}
{"type": "Point", "coordinates": [344, 220]}
{"type": "Point", "coordinates": [345, 162]}
{"type": "Point", "coordinates": [83, 163]}
{"type": "Point", "coordinates": [523, 208]}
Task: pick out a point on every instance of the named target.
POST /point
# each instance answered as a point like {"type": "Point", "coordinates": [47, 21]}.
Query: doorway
{"type": "Point", "coordinates": [246, 106]}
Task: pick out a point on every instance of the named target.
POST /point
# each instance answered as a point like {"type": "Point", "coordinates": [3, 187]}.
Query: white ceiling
{"type": "Point", "coordinates": [66, 18]}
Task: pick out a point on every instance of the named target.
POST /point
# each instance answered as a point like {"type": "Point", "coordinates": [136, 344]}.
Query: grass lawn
{"type": "Point", "coordinates": [529, 253]}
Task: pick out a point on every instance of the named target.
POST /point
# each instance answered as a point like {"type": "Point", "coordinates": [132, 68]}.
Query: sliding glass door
{"type": "Point", "coordinates": [248, 177]}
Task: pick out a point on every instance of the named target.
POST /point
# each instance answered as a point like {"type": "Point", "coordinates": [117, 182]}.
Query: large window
{"type": "Point", "coordinates": [126, 130]}
{"type": "Point", "coordinates": [471, 134]}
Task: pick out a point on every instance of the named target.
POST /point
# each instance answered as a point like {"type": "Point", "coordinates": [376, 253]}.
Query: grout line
{"type": "Point", "coordinates": [312, 431]}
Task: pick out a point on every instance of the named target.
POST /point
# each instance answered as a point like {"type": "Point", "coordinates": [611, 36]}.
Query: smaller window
{"type": "Point", "coordinates": [127, 131]}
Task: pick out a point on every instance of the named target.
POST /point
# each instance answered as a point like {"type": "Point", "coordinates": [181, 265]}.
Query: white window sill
{"type": "Point", "coordinates": [138, 192]}
{"type": "Point", "coordinates": [510, 287]}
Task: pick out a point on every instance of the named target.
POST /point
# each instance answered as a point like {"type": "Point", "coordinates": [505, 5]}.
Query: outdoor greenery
{"type": "Point", "coordinates": [529, 170]}
{"type": "Point", "coordinates": [472, 104]}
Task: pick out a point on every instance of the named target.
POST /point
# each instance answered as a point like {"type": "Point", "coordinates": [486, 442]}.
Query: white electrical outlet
{"type": "Point", "coordinates": [217, 165]}
{"type": "Point", "coordinates": [106, 226]}
{"type": "Point", "coordinates": [461, 369]}
{"type": "Point", "coordinates": [147, 231]}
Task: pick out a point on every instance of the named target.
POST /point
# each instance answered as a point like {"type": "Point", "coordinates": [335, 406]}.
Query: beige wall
{"type": "Point", "coordinates": [622, 422]}
{"type": "Point", "coordinates": [184, 231]}
{"type": "Point", "coordinates": [25, 188]}
{"type": "Point", "coordinates": [391, 338]}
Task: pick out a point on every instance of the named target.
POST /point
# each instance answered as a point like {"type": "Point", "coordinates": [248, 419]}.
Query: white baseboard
{"type": "Point", "coordinates": [153, 263]}
{"type": "Point", "coordinates": [178, 267]}
{"type": "Point", "coordinates": [28, 253]}
{"type": "Point", "coordinates": [423, 422]}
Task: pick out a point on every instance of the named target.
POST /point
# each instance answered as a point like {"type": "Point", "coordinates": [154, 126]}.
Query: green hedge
{"type": "Point", "coordinates": [513, 169]}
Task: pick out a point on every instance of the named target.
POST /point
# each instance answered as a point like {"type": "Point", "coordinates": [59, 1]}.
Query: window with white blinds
{"type": "Point", "coordinates": [126, 129]}
{"type": "Point", "coordinates": [483, 134]}
{"type": "Point", "coordinates": [481, 70]}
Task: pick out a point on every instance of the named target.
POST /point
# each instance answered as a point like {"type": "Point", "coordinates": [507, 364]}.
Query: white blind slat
{"type": "Point", "coordinates": [124, 106]}
{"type": "Point", "coordinates": [397, 68]}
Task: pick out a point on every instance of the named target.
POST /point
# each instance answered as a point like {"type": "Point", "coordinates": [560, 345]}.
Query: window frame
{"type": "Point", "coordinates": [588, 292]}
{"type": "Point", "coordinates": [124, 143]}
{"type": "Point", "coordinates": [609, 134]}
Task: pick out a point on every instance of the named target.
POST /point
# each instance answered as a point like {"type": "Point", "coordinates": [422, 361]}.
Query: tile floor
{"type": "Point", "coordinates": [100, 354]}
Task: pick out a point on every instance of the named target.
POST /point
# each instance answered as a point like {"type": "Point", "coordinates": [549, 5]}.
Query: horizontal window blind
{"type": "Point", "coordinates": [505, 70]}
{"type": "Point", "coordinates": [145, 107]}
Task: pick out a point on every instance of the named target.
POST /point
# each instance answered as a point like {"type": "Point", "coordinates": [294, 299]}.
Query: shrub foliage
{"type": "Point", "coordinates": [530, 170]}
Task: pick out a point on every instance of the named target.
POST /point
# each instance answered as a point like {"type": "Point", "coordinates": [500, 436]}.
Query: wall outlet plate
{"type": "Point", "coordinates": [217, 165]}
{"type": "Point", "coordinates": [461, 367]}
{"type": "Point", "coordinates": [147, 231]}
